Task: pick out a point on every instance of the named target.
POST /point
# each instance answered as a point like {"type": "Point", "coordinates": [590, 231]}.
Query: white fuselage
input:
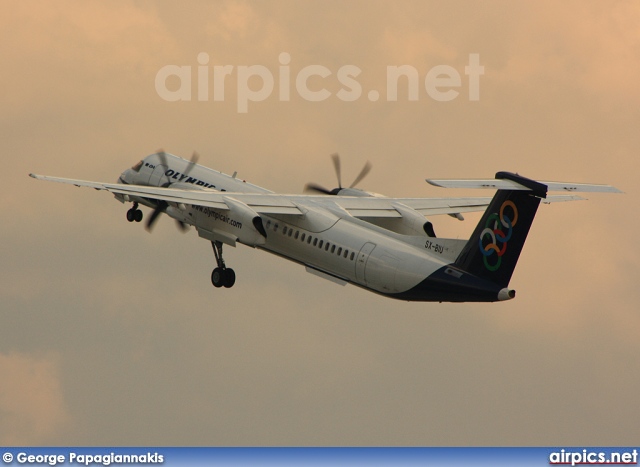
{"type": "Point", "coordinates": [326, 239]}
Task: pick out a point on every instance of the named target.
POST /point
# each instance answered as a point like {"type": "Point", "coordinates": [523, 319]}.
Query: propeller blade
{"type": "Point", "coordinates": [336, 166]}
{"type": "Point", "coordinates": [155, 214]}
{"type": "Point", "coordinates": [151, 220]}
{"type": "Point", "coordinates": [162, 205]}
{"type": "Point", "coordinates": [163, 161]}
{"type": "Point", "coordinates": [182, 226]}
{"type": "Point", "coordinates": [163, 157]}
{"type": "Point", "coordinates": [363, 173]}
{"type": "Point", "coordinates": [317, 189]}
{"type": "Point", "coordinates": [192, 163]}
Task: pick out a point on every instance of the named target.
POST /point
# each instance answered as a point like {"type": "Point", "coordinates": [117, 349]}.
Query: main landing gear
{"type": "Point", "coordinates": [134, 214]}
{"type": "Point", "coordinates": [221, 276]}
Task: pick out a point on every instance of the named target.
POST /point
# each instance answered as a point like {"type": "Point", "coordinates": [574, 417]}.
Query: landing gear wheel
{"type": "Point", "coordinates": [134, 214]}
{"type": "Point", "coordinates": [131, 215]}
{"type": "Point", "coordinates": [221, 276]}
{"type": "Point", "coordinates": [229, 277]}
{"type": "Point", "coordinates": [217, 277]}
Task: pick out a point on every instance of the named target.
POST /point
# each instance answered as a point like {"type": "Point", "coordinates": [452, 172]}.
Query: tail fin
{"type": "Point", "coordinates": [495, 245]}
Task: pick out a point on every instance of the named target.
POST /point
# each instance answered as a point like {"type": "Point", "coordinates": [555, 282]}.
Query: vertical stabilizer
{"type": "Point", "coordinates": [495, 245]}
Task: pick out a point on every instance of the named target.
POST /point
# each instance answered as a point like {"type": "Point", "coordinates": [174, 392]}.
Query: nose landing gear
{"type": "Point", "coordinates": [221, 275]}
{"type": "Point", "coordinates": [134, 214]}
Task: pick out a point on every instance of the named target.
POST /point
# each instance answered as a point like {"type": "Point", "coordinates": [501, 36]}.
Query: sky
{"type": "Point", "coordinates": [114, 336]}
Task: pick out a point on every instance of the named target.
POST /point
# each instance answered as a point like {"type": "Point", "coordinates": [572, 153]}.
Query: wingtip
{"type": "Point", "coordinates": [434, 183]}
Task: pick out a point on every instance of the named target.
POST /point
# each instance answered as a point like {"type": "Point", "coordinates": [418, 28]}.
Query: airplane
{"type": "Point", "coordinates": [348, 235]}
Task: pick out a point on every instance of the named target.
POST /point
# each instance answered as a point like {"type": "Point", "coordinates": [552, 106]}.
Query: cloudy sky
{"type": "Point", "coordinates": [114, 336]}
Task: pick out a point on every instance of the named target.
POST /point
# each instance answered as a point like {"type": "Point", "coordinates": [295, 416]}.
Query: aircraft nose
{"type": "Point", "coordinates": [126, 177]}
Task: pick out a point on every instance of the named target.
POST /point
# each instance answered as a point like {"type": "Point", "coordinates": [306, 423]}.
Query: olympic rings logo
{"type": "Point", "coordinates": [495, 232]}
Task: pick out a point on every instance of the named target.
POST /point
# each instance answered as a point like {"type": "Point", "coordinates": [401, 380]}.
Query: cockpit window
{"type": "Point", "coordinates": [136, 167]}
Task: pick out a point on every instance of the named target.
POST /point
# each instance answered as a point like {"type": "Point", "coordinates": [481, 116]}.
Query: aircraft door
{"type": "Point", "coordinates": [361, 261]}
{"type": "Point", "coordinates": [157, 176]}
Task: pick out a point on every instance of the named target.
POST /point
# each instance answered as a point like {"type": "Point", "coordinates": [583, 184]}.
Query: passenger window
{"type": "Point", "coordinates": [320, 244]}
{"type": "Point", "coordinates": [352, 256]}
{"type": "Point", "coordinates": [339, 251]}
{"type": "Point", "coordinates": [346, 253]}
{"type": "Point", "coordinates": [284, 230]}
{"type": "Point", "coordinates": [326, 248]}
{"type": "Point", "coordinates": [296, 235]}
{"type": "Point", "coordinates": [290, 231]}
{"type": "Point", "coordinates": [315, 242]}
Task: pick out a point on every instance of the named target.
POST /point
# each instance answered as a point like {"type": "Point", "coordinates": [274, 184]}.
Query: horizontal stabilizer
{"type": "Point", "coordinates": [505, 184]}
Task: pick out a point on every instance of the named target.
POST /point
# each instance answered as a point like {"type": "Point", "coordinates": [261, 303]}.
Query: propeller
{"type": "Point", "coordinates": [161, 205]}
{"type": "Point", "coordinates": [336, 165]}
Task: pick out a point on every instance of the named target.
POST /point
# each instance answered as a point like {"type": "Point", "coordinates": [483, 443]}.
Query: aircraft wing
{"type": "Point", "coordinates": [262, 203]}
{"type": "Point", "coordinates": [269, 203]}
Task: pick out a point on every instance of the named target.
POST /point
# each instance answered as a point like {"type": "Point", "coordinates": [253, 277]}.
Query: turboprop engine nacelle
{"type": "Point", "coordinates": [411, 222]}
{"type": "Point", "coordinates": [243, 222]}
{"type": "Point", "coordinates": [252, 231]}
